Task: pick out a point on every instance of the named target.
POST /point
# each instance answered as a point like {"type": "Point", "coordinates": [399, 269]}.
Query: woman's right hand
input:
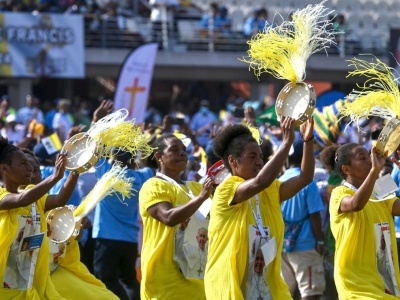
{"type": "Point", "coordinates": [61, 162]}
{"type": "Point", "coordinates": [208, 188]}
{"type": "Point", "coordinates": [378, 161]}
{"type": "Point", "coordinates": [287, 125]}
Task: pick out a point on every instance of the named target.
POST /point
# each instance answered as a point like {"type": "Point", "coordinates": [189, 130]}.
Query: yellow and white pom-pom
{"type": "Point", "coordinates": [124, 136]}
{"type": "Point", "coordinates": [113, 181]}
{"type": "Point", "coordinates": [379, 96]}
{"type": "Point", "coordinates": [113, 132]}
{"type": "Point", "coordinates": [108, 122]}
{"type": "Point", "coordinates": [283, 51]}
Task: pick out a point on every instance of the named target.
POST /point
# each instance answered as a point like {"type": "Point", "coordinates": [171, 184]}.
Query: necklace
{"type": "Point", "coordinates": [201, 261]}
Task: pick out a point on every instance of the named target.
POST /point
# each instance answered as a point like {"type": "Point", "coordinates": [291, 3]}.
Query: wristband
{"type": "Point", "coordinates": [305, 141]}
{"type": "Point", "coordinates": [320, 243]}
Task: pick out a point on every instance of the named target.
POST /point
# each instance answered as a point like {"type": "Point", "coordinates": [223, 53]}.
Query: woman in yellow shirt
{"type": "Point", "coordinates": [25, 274]}
{"type": "Point", "coordinates": [71, 279]}
{"type": "Point", "coordinates": [165, 201]}
{"type": "Point", "coordinates": [245, 214]}
{"type": "Point", "coordinates": [366, 264]}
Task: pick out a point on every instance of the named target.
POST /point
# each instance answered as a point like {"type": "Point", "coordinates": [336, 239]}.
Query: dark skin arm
{"type": "Point", "coordinates": [105, 108]}
{"type": "Point", "coordinates": [316, 225]}
{"type": "Point", "coordinates": [358, 201]}
{"type": "Point", "coordinates": [172, 216]}
{"type": "Point", "coordinates": [292, 186]}
{"type": "Point", "coordinates": [29, 196]}
{"type": "Point", "coordinates": [65, 193]}
{"type": "Point", "coordinates": [271, 170]}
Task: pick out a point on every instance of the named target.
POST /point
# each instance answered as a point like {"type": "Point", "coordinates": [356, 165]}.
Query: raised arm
{"type": "Point", "coordinates": [358, 201]}
{"type": "Point", "coordinates": [271, 169]}
{"type": "Point", "coordinates": [172, 216]}
{"type": "Point", "coordinates": [29, 196]}
{"type": "Point", "coordinates": [292, 186]}
{"type": "Point", "coordinates": [65, 193]}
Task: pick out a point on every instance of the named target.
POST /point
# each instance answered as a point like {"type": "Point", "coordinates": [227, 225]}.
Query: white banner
{"type": "Point", "coordinates": [134, 81]}
{"type": "Point", "coordinates": [49, 45]}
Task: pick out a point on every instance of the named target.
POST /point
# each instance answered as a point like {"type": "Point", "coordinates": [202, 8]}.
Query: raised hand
{"type": "Point", "coordinates": [208, 188]}
{"type": "Point", "coordinates": [378, 161]}
{"type": "Point", "coordinates": [287, 125]}
{"type": "Point", "coordinates": [105, 108]}
{"type": "Point", "coordinates": [61, 162]}
{"type": "Point", "coordinates": [75, 130]}
{"type": "Point", "coordinates": [307, 129]}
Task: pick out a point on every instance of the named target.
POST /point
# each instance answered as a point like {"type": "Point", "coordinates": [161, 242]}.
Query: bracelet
{"type": "Point", "coordinates": [320, 243]}
{"type": "Point", "coordinates": [305, 141]}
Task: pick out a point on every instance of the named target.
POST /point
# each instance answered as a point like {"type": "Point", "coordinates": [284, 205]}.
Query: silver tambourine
{"type": "Point", "coordinates": [81, 155]}
{"type": "Point", "coordinates": [62, 224]}
{"type": "Point", "coordinates": [296, 100]}
{"type": "Point", "coordinates": [389, 138]}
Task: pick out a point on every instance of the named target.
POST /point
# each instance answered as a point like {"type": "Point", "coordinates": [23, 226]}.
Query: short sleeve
{"type": "Point", "coordinates": [314, 201]}
{"type": "Point", "coordinates": [155, 191]}
{"type": "Point", "coordinates": [337, 196]}
{"type": "Point", "coordinates": [227, 190]}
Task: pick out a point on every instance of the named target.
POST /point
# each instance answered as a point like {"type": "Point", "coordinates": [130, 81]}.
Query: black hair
{"type": "Point", "coordinates": [31, 154]}
{"type": "Point", "coordinates": [231, 141]}
{"type": "Point", "coordinates": [335, 156]}
{"type": "Point", "coordinates": [160, 143]}
{"type": "Point", "coordinates": [267, 150]}
{"type": "Point", "coordinates": [6, 151]}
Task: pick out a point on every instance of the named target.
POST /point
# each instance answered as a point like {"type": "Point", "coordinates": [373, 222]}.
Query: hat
{"type": "Point", "coordinates": [11, 118]}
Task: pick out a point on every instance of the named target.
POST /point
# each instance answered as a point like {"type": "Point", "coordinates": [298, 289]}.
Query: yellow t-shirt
{"type": "Point", "coordinates": [74, 281]}
{"type": "Point", "coordinates": [358, 243]}
{"type": "Point", "coordinates": [161, 277]}
{"type": "Point", "coordinates": [12, 223]}
{"type": "Point", "coordinates": [228, 249]}
{"type": "Point", "coordinates": [270, 209]}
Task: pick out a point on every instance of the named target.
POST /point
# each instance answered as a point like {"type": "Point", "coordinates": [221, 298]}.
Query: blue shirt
{"type": "Point", "coordinates": [300, 206]}
{"type": "Point", "coordinates": [75, 198]}
{"type": "Point", "coordinates": [115, 219]}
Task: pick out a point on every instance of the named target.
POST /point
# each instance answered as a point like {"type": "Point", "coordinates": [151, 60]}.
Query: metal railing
{"type": "Point", "coordinates": [185, 35]}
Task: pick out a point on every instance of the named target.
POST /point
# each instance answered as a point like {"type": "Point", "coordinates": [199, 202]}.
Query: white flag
{"type": "Point", "coordinates": [134, 81]}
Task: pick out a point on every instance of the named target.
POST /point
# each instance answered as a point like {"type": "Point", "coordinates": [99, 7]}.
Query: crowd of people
{"type": "Point", "coordinates": [270, 231]}
{"type": "Point", "coordinates": [107, 24]}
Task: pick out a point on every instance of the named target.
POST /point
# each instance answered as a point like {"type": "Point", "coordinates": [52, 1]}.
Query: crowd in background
{"type": "Point", "coordinates": [108, 24]}
{"type": "Point", "coordinates": [200, 123]}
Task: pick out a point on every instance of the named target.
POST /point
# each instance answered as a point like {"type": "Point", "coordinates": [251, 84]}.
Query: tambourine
{"type": "Point", "coordinates": [296, 100]}
{"type": "Point", "coordinates": [81, 155]}
{"type": "Point", "coordinates": [389, 138]}
{"type": "Point", "coordinates": [219, 172]}
{"type": "Point", "coordinates": [62, 224]}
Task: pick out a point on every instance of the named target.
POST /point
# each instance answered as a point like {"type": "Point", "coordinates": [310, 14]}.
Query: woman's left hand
{"type": "Point", "coordinates": [307, 129]}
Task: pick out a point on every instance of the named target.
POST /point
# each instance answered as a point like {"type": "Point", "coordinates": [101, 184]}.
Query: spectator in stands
{"type": "Point", "coordinates": [217, 21]}
{"type": "Point", "coordinates": [13, 131]}
{"type": "Point", "coordinates": [114, 25]}
{"type": "Point", "coordinates": [5, 109]}
{"type": "Point", "coordinates": [256, 22]}
{"type": "Point", "coordinates": [202, 123]}
{"type": "Point", "coordinates": [30, 111]}
{"type": "Point", "coordinates": [162, 12]}
{"type": "Point", "coordinates": [62, 122]}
